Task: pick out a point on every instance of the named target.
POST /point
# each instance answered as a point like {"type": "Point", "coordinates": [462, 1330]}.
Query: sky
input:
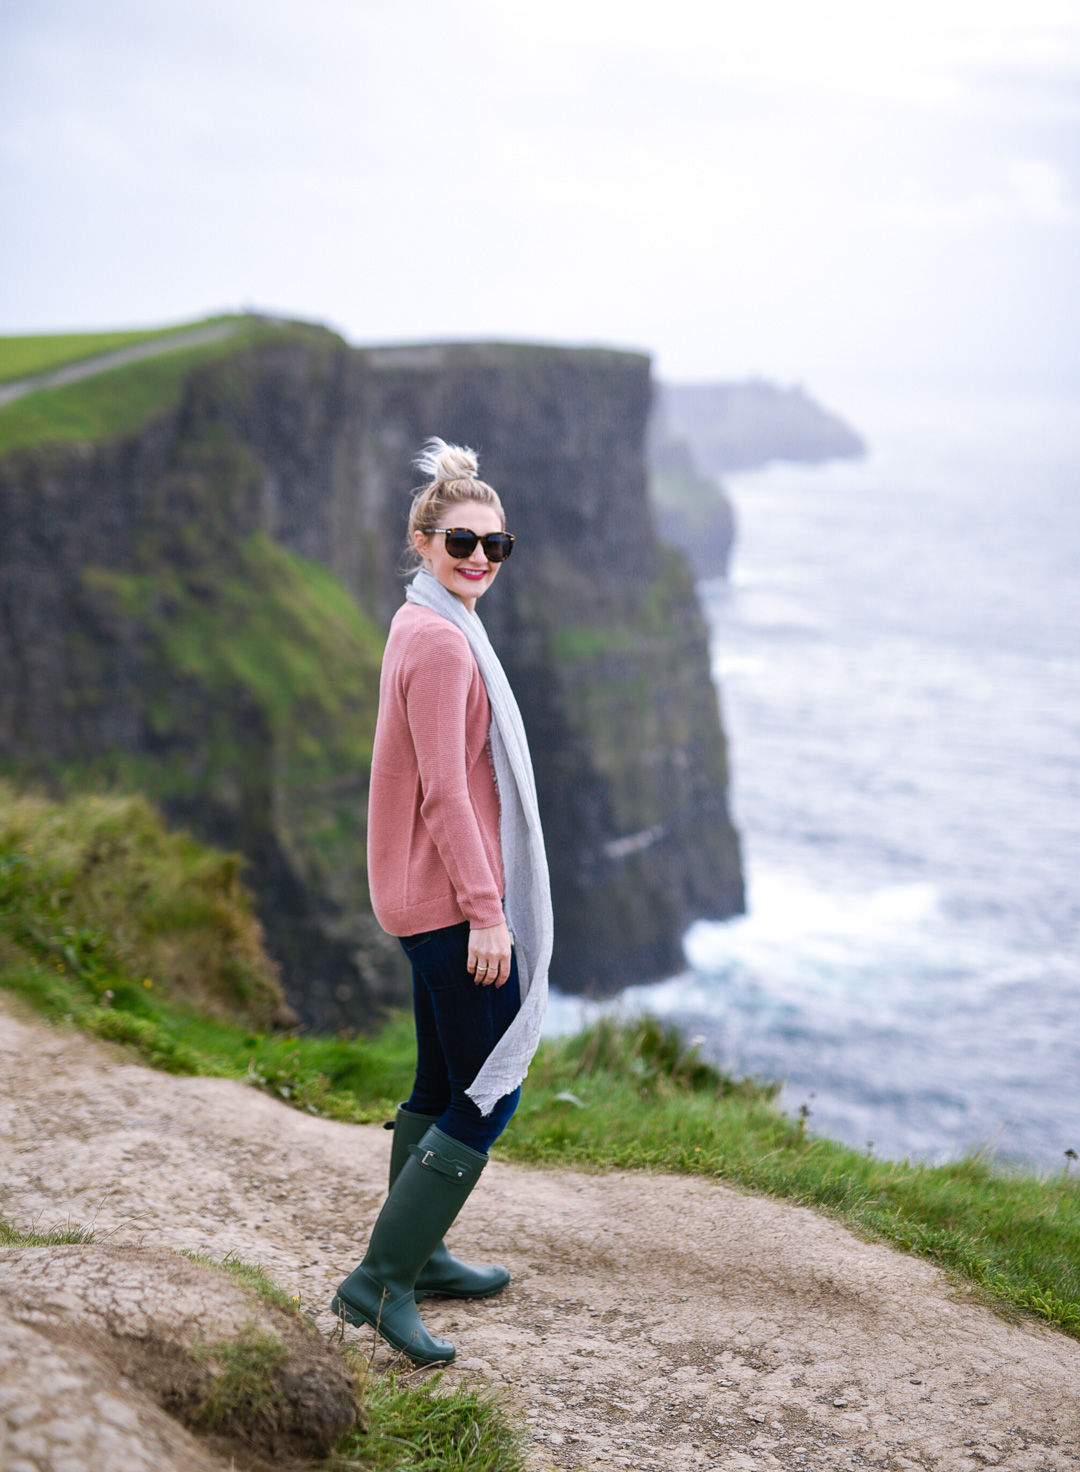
{"type": "Point", "coordinates": [807, 191]}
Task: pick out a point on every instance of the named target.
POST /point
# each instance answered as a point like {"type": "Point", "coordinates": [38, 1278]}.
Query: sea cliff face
{"type": "Point", "coordinates": [598, 626]}
{"type": "Point", "coordinates": [692, 510]}
{"type": "Point", "coordinates": [198, 611]}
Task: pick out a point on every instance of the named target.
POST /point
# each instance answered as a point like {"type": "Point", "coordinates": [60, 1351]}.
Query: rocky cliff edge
{"type": "Point", "coordinates": [197, 610]}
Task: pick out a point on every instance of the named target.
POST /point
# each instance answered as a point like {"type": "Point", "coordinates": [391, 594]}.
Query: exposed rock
{"type": "Point", "coordinates": [692, 510]}
{"type": "Point", "coordinates": [600, 631]}
{"type": "Point", "coordinates": [113, 1356]}
{"type": "Point", "coordinates": [61, 1408]}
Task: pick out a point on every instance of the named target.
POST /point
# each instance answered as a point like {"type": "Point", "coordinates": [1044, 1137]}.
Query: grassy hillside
{"type": "Point", "coordinates": [98, 900]}
{"type": "Point", "coordinates": [113, 924]}
{"type": "Point", "coordinates": [21, 357]}
{"type": "Point", "coordinates": [108, 923]}
{"type": "Point", "coordinates": [111, 405]}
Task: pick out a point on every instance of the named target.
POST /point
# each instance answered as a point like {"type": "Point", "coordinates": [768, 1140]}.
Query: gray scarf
{"type": "Point", "coordinates": [528, 892]}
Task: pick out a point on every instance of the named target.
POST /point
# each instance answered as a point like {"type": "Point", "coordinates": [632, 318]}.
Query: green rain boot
{"type": "Point", "coordinates": [431, 1188]}
{"type": "Point", "coordinates": [442, 1273]}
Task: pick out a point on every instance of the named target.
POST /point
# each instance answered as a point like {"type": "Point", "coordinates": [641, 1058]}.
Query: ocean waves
{"type": "Point", "coordinates": [898, 653]}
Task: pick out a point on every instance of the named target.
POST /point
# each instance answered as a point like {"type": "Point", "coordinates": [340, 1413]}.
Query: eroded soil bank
{"type": "Point", "coordinates": [653, 1322]}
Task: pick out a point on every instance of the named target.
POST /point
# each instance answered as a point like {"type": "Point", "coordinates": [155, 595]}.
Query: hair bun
{"type": "Point", "coordinates": [441, 461]}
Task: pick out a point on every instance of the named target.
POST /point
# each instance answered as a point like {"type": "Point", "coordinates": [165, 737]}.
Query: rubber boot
{"type": "Point", "coordinates": [442, 1273]}
{"type": "Point", "coordinates": [431, 1188]}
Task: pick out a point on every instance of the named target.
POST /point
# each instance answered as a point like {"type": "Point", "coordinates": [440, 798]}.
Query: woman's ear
{"type": "Point", "coordinates": [420, 542]}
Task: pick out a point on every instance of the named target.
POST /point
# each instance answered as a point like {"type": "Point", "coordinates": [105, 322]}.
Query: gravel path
{"type": "Point", "coordinates": [653, 1321]}
{"type": "Point", "coordinates": [90, 367]}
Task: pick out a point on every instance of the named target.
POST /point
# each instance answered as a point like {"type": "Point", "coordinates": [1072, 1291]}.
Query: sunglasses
{"type": "Point", "coordinates": [460, 542]}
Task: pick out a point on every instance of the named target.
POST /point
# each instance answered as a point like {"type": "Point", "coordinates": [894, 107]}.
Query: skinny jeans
{"type": "Point", "coordinates": [458, 1023]}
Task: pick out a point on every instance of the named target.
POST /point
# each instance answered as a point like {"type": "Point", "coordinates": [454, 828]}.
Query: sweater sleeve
{"type": "Point", "coordinates": [436, 675]}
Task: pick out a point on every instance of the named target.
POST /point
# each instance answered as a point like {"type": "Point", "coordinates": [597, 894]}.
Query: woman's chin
{"type": "Point", "coordinates": [467, 587]}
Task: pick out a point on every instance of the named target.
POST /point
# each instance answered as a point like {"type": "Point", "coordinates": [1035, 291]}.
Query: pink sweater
{"type": "Point", "coordinates": [433, 815]}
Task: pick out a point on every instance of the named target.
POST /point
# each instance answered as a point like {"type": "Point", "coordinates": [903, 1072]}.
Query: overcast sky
{"type": "Point", "coordinates": [809, 189]}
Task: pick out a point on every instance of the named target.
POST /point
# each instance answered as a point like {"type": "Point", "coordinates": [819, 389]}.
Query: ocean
{"type": "Point", "coordinates": [897, 651]}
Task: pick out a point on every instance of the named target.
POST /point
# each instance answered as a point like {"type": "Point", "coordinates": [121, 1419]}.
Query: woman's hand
{"type": "Point", "coordinates": [489, 955]}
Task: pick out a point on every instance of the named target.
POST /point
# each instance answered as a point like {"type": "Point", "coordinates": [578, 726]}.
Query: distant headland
{"type": "Point", "coordinates": [701, 431]}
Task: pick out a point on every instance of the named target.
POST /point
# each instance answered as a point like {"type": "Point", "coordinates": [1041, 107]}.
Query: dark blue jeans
{"type": "Point", "coordinates": [457, 1025]}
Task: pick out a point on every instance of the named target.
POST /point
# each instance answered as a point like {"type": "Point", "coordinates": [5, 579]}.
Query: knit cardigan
{"type": "Point", "coordinates": [433, 816]}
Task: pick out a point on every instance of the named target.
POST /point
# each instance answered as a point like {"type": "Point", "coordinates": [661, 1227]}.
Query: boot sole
{"type": "Point", "coordinates": [342, 1309]}
{"type": "Point", "coordinates": [422, 1293]}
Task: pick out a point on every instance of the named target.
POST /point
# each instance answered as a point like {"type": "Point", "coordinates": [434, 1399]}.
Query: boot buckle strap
{"type": "Point", "coordinates": [432, 1160]}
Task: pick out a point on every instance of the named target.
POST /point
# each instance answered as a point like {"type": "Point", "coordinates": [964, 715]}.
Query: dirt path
{"type": "Point", "coordinates": [653, 1322]}
{"type": "Point", "coordinates": [90, 367]}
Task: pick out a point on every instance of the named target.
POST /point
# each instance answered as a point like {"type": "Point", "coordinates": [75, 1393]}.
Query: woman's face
{"type": "Point", "coordinates": [466, 577]}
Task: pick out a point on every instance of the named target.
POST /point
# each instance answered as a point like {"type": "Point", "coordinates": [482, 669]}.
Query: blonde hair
{"type": "Point", "coordinates": [454, 477]}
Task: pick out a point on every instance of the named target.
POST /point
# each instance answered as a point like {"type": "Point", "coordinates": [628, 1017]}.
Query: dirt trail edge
{"type": "Point", "coordinates": [653, 1321]}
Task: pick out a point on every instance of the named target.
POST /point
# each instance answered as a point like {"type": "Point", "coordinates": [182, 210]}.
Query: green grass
{"type": "Point", "coordinates": [255, 628]}
{"type": "Point", "coordinates": [242, 1384]}
{"type": "Point", "coordinates": [249, 1275]}
{"type": "Point", "coordinates": [648, 625]}
{"type": "Point", "coordinates": [22, 357]}
{"type": "Point", "coordinates": [79, 941]}
{"type": "Point", "coordinates": [407, 1427]}
{"type": "Point", "coordinates": [146, 938]}
{"type": "Point", "coordinates": [58, 1236]}
{"type": "Point", "coordinates": [117, 403]}
{"type": "Point", "coordinates": [104, 913]}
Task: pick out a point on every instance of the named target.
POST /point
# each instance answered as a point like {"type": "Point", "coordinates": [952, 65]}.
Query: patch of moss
{"type": "Point", "coordinates": [644, 627]}
{"type": "Point", "coordinates": [575, 642]}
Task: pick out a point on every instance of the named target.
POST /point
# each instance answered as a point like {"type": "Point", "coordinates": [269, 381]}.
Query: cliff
{"type": "Point", "coordinates": [195, 608]}
{"type": "Point", "coordinates": [691, 508]}
{"type": "Point", "coordinates": [699, 431]}
{"type": "Point", "coordinates": [744, 425]}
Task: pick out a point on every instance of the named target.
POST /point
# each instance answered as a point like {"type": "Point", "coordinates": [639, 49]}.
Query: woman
{"type": "Point", "coordinates": [452, 811]}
